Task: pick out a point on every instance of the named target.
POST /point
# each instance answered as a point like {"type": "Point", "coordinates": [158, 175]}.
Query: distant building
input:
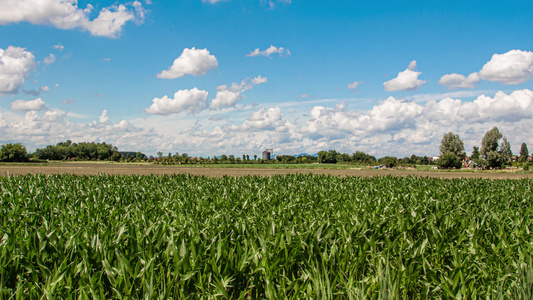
{"type": "Point", "coordinates": [266, 155]}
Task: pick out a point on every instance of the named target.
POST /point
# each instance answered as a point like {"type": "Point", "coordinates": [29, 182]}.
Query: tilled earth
{"type": "Point", "coordinates": [126, 169]}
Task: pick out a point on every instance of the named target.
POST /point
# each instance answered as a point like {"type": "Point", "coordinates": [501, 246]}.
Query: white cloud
{"type": "Point", "coordinates": [513, 67]}
{"type": "Point", "coordinates": [37, 130]}
{"type": "Point", "coordinates": [191, 61]}
{"type": "Point", "coordinates": [354, 84]}
{"type": "Point", "coordinates": [400, 124]}
{"type": "Point", "coordinates": [269, 51]}
{"type": "Point", "coordinates": [189, 101]}
{"type": "Point", "coordinates": [21, 105]}
{"type": "Point", "coordinates": [394, 127]}
{"type": "Point", "coordinates": [45, 88]}
{"type": "Point", "coordinates": [225, 98]}
{"type": "Point", "coordinates": [65, 14]}
{"type": "Point", "coordinates": [15, 65]}
{"type": "Point", "coordinates": [230, 96]}
{"type": "Point", "coordinates": [212, 1]}
{"type": "Point", "coordinates": [104, 118]}
{"type": "Point", "coordinates": [259, 80]}
{"type": "Point", "coordinates": [50, 59]}
{"type": "Point", "coordinates": [263, 119]}
{"type": "Point", "coordinates": [3, 122]}
{"type": "Point", "coordinates": [406, 80]}
{"type": "Point", "coordinates": [272, 3]}
{"type": "Point", "coordinates": [503, 107]}
{"type": "Point", "coordinates": [59, 47]}
{"type": "Point", "coordinates": [456, 81]}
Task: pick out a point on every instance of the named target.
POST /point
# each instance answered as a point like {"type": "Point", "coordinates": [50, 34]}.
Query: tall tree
{"type": "Point", "coordinates": [524, 153]}
{"type": "Point", "coordinates": [489, 147]}
{"type": "Point", "coordinates": [506, 153]}
{"type": "Point", "coordinates": [452, 143]}
{"type": "Point", "coordinates": [475, 153]}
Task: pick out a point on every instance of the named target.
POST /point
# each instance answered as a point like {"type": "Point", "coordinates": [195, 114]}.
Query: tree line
{"type": "Point", "coordinates": [491, 154]}
{"type": "Point", "coordinates": [61, 151]}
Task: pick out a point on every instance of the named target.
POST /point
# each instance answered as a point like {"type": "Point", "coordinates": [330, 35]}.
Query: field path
{"type": "Point", "coordinates": [126, 169]}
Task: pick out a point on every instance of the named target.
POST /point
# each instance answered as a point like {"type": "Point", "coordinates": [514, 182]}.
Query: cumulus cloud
{"type": "Point", "coordinates": [225, 98]}
{"type": "Point", "coordinates": [400, 124]}
{"type": "Point", "coordinates": [354, 84]}
{"type": "Point", "coordinates": [406, 80]}
{"type": "Point", "coordinates": [259, 80]}
{"type": "Point", "coordinates": [269, 51]}
{"type": "Point", "coordinates": [263, 119]}
{"type": "Point", "coordinates": [38, 129]}
{"type": "Point", "coordinates": [15, 65]}
{"type": "Point", "coordinates": [59, 47]}
{"type": "Point", "coordinates": [103, 117]}
{"type": "Point", "coordinates": [191, 61]}
{"type": "Point", "coordinates": [188, 101]}
{"type": "Point", "coordinates": [456, 81]}
{"type": "Point", "coordinates": [65, 14]}
{"type": "Point", "coordinates": [230, 96]}
{"type": "Point", "coordinates": [513, 67]}
{"type": "Point", "coordinates": [49, 59]}
{"type": "Point", "coordinates": [393, 127]}
{"type": "Point", "coordinates": [22, 105]}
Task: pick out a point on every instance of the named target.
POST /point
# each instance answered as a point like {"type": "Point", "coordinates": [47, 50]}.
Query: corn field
{"type": "Point", "coordinates": [280, 237]}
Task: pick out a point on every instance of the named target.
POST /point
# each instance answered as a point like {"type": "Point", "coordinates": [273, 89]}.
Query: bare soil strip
{"type": "Point", "coordinates": [125, 169]}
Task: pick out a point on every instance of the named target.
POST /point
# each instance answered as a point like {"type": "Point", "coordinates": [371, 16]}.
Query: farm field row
{"type": "Point", "coordinates": [283, 236]}
{"type": "Point", "coordinates": [90, 168]}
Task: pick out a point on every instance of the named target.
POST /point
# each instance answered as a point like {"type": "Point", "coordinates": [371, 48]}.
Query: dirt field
{"type": "Point", "coordinates": [124, 169]}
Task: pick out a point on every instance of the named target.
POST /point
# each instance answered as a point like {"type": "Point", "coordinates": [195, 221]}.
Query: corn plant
{"type": "Point", "coordinates": [289, 237]}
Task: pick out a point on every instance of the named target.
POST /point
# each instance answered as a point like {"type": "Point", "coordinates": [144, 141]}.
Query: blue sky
{"type": "Point", "coordinates": [237, 77]}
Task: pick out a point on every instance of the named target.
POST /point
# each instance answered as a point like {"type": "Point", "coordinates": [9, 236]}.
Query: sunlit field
{"type": "Point", "coordinates": [254, 237]}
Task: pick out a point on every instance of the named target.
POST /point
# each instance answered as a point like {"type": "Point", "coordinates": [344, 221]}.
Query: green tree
{"type": "Point", "coordinates": [363, 158]}
{"type": "Point", "coordinates": [524, 153]}
{"type": "Point", "coordinates": [475, 153]}
{"type": "Point", "coordinates": [328, 157]}
{"type": "Point", "coordinates": [449, 161]}
{"type": "Point", "coordinates": [159, 154]}
{"type": "Point", "coordinates": [389, 161]}
{"type": "Point", "coordinates": [139, 155]}
{"type": "Point", "coordinates": [452, 143]}
{"type": "Point", "coordinates": [505, 152]}
{"type": "Point", "coordinates": [489, 147]}
{"type": "Point", "coordinates": [13, 153]}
